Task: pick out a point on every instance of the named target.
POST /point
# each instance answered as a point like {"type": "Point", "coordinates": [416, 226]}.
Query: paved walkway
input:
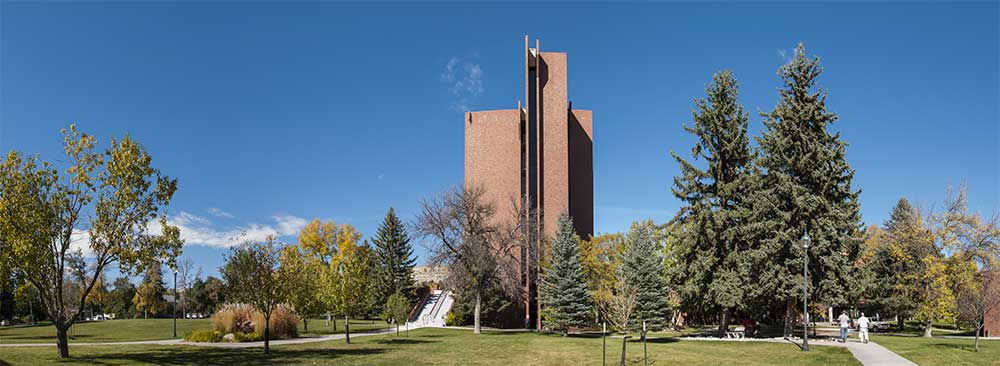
{"type": "Point", "coordinates": [870, 354]}
{"type": "Point", "coordinates": [180, 342]}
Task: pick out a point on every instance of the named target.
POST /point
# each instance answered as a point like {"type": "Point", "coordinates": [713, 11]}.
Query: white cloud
{"type": "Point", "coordinates": [80, 240]}
{"type": "Point", "coordinates": [288, 224]}
{"type": "Point", "coordinates": [465, 82]}
{"type": "Point", "coordinates": [220, 213]}
{"type": "Point", "coordinates": [196, 230]}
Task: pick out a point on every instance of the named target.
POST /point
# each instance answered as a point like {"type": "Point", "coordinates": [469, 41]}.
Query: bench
{"type": "Point", "coordinates": [739, 332]}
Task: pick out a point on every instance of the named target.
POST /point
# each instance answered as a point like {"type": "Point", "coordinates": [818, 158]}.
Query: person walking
{"type": "Point", "coordinates": [845, 324]}
{"type": "Point", "coordinates": [863, 328]}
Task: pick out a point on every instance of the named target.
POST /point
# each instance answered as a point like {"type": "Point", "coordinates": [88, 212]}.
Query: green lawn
{"type": "Point", "coordinates": [147, 330]}
{"type": "Point", "coordinates": [446, 347]}
{"type": "Point", "coordinates": [942, 351]}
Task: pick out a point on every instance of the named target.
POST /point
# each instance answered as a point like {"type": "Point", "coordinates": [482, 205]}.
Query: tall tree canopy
{"type": "Point", "coordinates": [898, 265]}
{"type": "Point", "coordinates": [563, 291]}
{"type": "Point", "coordinates": [348, 277]}
{"type": "Point", "coordinates": [480, 253]}
{"type": "Point", "coordinates": [302, 278]}
{"type": "Point", "coordinates": [711, 270]}
{"type": "Point", "coordinates": [805, 187]}
{"type": "Point", "coordinates": [393, 259]}
{"type": "Point", "coordinates": [110, 202]}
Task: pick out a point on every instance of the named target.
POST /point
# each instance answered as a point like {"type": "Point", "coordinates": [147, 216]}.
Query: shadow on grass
{"type": "Point", "coordinates": [226, 357]}
{"type": "Point", "coordinates": [963, 347]}
{"type": "Point", "coordinates": [402, 341]}
{"type": "Point", "coordinates": [4, 363]}
{"type": "Point", "coordinates": [664, 340]}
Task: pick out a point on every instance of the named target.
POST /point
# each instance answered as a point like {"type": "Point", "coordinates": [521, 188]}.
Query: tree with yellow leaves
{"type": "Point", "coordinates": [115, 196]}
{"type": "Point", "coordinates": [346, 279]}
{"type": "Point", "coordinates": [601, 257]}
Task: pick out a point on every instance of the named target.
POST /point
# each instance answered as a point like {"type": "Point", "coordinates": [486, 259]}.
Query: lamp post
{"type": "Point", "coordinates": [805, 292]}
{"type": "Point", "coordinates": [175, 303]}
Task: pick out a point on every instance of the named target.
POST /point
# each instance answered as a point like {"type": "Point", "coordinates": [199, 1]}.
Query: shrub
{"type": "Point", "coordinates": [203, 335]}
{"type": "Point", "coordinates": [242, 318]}
{"type": "Point", "coordinates": [451, 320]}
{"type": "Point", "coordinates": [247, 337]}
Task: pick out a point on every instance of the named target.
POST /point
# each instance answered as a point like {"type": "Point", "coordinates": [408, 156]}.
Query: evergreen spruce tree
{"type": "Point", "coordinates": [642, 269]}
{"type": "Point", "coordinates": [709, 272]}
{"type": "Point", "coordinates": [564, 296]}
{"type": "Point", "coordinates": [805, 188]}
{"type": "Point", "coordinates": [393, 257]}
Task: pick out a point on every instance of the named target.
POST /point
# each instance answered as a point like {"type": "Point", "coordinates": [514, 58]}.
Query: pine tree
{"type": "Point", "coordinates": [709, 271]}
{"type": "Point", "coordinates": [393, 256]}
{"type": "Point", "coordinates": [805, 188]}
{"type": "Point", "coordinates": [642, 269]}
{"type": "Point", "coordinates": [564, 296]}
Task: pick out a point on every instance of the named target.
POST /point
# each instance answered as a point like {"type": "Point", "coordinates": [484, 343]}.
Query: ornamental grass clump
{"type": "Point", "coordinates": [245, 320]}
{"type": "Point", "coordinates": [284, 323]}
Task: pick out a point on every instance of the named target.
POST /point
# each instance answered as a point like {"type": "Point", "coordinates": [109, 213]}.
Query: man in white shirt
{"type": "Point", "coordinates": [845, 324]}
{"type": "Point", "coordinates": [863, 328]}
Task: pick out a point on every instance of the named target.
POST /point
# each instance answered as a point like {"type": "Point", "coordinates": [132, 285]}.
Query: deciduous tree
{"type": "Point", "coordinates": [252, 275]}
{"type": "Point", "coordinates": [149, 295]}
{"type": "Point", "coordinates": [112, 196]}
{"type": "Point", "coordinates": [347, 278]}
{"type": "Point", "coordinates": [301, 277]}
{"type": "Point", "coordinates": [478, 251]}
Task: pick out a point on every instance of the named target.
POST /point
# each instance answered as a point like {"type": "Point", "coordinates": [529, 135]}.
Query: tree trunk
{"type": "Point", "coordinates": [305, 325]}
{"type": "Point", "coordinates": [347, 329]}
{"type": "Point", "coordinates": [267, 335]}
{"type": "Point", "coordinates": [476, 328]}
{"type": "Point", "coordinates": [927, 329]}
{"type": "Point", "coordinates": [978, 329]}
{"type": "Point", "coordinates": [62, 341]}
{"type": "Point", "coordinates": [328, 320]}
{"type": "Point", "coordinates": [624, 340]}
{"type": "Point", "coordinates": [334, 324]}
{"type": "Point", "coordinates": [789, 318]}
{"type": "Point", "coordinates": [902, 323]}
{"type": "Point", "coordinates": [723, 323]}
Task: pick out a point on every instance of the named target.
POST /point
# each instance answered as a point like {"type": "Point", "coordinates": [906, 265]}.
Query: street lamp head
{"type": "Point", "coordinates": [805, 240]}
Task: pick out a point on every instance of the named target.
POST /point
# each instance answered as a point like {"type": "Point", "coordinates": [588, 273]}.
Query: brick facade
{"type": "Point", "coordinates": [541, 152]}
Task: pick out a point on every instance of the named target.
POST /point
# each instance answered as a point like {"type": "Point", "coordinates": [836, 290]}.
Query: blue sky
{"type": "Point", "coordinates": [271, 114]}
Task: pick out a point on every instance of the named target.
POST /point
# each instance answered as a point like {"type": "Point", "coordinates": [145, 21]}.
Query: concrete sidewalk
{"type": "Point", "coordinates": [180, 342]}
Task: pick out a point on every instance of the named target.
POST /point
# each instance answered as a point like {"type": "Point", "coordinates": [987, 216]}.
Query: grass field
{"type": "Point", "coordinates": [943, 351]}
{"type": "Point", "coordinates": [446, 347]}
{"type": "Point", "coordinates": [147, 330]}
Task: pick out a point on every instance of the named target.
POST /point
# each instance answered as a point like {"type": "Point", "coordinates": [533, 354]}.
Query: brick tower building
{"type": "Point", "coordinates": [540, 154]}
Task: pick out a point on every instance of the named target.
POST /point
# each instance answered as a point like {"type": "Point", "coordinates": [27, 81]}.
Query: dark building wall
{"type": "Point", "coordinates": [581, 171]}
